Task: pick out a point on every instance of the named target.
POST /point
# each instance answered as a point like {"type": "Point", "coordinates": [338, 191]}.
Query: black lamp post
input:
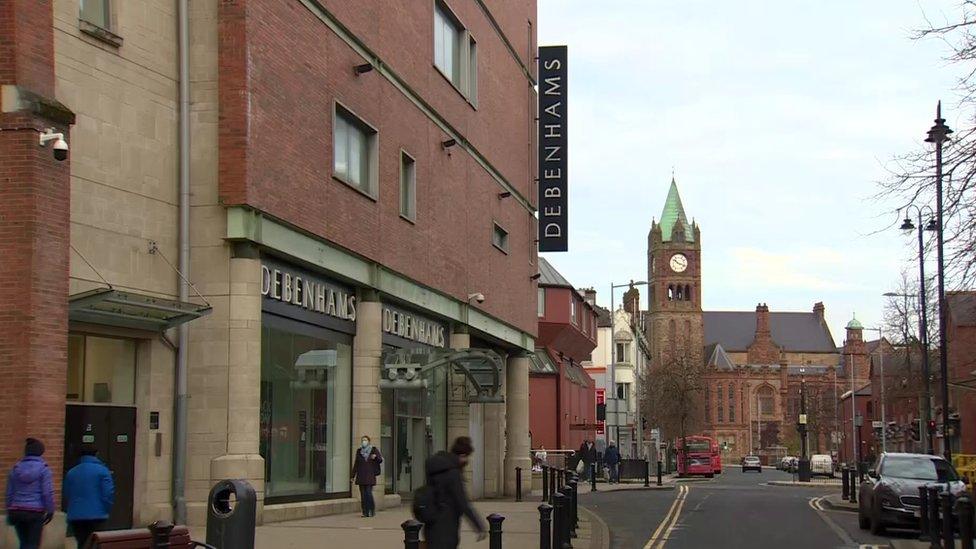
{"type": "Point", "coordinates": [923, 329]}
{"type": "Point", "coordinates": [939, 134]}
{"type": "Point", "coordinates": [803, 465]}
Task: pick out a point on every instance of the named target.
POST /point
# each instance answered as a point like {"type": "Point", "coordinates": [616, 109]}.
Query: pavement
{"type": "Point", "coordinates": [735, 509]}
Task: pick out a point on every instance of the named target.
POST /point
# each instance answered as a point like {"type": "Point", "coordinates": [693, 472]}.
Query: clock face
{"type": "Point", "coordinates": [678, 263]}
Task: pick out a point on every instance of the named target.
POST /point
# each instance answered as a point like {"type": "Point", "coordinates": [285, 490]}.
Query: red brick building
{"type": "Point", "coordinates": [562, 396]}
{"type": "Point", "coordinates": [961, 340]}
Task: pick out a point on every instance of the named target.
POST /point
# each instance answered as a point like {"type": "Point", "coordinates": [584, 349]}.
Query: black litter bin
{"type": "Point", "coordinates": [231, 515]}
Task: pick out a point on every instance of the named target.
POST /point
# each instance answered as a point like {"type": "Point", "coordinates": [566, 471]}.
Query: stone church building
{"type": "Point", "coordinates": [755, 360]}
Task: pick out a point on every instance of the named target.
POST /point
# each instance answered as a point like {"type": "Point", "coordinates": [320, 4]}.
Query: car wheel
{"type": "Point", "coordinates": [877, 527]}
{"type": "Point", "coordinates": [862, 521]}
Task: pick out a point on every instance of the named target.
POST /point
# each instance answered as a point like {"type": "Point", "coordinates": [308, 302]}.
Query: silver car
{"type": "Point", "coordinates": [889, 493]}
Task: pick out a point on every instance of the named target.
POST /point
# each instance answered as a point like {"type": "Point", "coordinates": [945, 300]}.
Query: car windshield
{"type": "Point", "coordinates": [919, 468]}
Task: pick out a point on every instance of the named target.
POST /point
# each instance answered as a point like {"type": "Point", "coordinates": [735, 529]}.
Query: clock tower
{"type": "Point", "coordinates": [675, 328]}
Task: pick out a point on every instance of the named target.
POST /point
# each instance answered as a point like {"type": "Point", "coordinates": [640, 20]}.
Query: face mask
{"type": "Point", "coordinates": [365, 443]}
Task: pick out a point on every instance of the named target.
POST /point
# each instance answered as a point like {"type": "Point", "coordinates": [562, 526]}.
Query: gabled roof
{"type": "Point", "coordinates": [602, 316]}
{"type": "Point", "coordinates": [793, 332]}
{"type": "Point", "coordinates": [674, 213]}
{"type": "Point", "coordinates": [549, 276]}
{"type": "Point", "coordinates": [715, 357]}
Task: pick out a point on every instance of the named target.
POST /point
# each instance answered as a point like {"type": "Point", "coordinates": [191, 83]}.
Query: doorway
{"type": "Point", "coordinates": [112, 430]}
{"type": "Point", "coordinates": [408, 441]}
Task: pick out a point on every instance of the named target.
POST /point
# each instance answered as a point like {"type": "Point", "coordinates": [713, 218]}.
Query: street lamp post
{"type": "Point", "coordinates": [939, 134]}
{"type": "Point", "coordinates": [612, 389]}
{"type": "Point", "coordinates": [803, 466]}
{"type": "Point", "coordinates": [884, 423]}
{"type": "Point", "coordinates": [923, 328]}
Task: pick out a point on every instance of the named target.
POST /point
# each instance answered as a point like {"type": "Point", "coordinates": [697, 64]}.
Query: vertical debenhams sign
{"type": "Point", "coordinates": [553, 203]}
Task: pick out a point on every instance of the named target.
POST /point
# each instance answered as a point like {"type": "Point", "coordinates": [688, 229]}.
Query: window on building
{"type": "Point", "coordinates": [623, 391]}
{"type": "Point", "coordinates": [101, 369]}
{"type": "Point", "coordinates": [354, 151]}
{"type": "Point", "coordinates": [620, 353]}
{"type": "Point", "coordinates": [408, 187]}
{"type": "Point", "coordinates": [719, 408]}
{"type": "Point", "coordinates": [499, 237]}
{"type": "Point", "coordinates": [708, 405]}
{"type": "Point", "coordinates": [541, 302]}
{"type": "Point", "coordinates": [455, 52]}
{"type": "Point", "coordinates": [731, 403]}
{"type": "Point", "coordinates": [572, 309]}
{"type": "Point", "coordinates": [766, 401]}
{"type": "Point", "coordinates": [96, 12]}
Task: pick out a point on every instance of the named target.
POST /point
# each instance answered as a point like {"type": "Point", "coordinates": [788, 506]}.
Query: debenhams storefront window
{"type": "Point", "coordinates": [308, 323]}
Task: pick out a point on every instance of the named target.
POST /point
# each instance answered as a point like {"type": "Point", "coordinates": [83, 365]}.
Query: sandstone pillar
{"type": "Point", "coordinates": [367, 350]}
{"type": "Point", "coordinates": [517, 421]}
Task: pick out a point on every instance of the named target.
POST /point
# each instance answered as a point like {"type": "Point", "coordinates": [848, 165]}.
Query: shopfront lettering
{"type": "Point", "coordinates": [413, 327]}
{"type": "Point", "coordinates": [553, 142]}
{"type": "Point", "coordinates": [312, 295]}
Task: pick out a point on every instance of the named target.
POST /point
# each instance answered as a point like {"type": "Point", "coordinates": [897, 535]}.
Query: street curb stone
{"type": "Point", "coordinates": [599, 531]}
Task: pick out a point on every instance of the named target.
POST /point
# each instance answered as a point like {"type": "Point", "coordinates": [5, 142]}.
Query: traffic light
{"type": "Point", "coordinates": [932, 426]}
{"type": "Point", "coordinates": [916, 430]}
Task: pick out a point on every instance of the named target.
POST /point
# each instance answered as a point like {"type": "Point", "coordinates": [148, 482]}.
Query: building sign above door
{"type": "Point", "coordinates": [292, 291]}
{"type": "Point", "coordinates": [413, 327]}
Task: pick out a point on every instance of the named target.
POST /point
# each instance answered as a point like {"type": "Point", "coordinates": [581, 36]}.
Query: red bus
{"type": "Point", "coordinates": [694, 456]}
{"type": "Point", "coordinates": [716, 458]}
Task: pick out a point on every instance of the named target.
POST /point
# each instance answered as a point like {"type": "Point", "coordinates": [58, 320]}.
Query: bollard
{"type": "Point", "coordinates": [923, 512]}
{"type": "Point", "coordinates": [518, 484]}
{"type": "Point", "coordinates": [844, 483]}
{"type": "Point", "coordinates": [964, 508]}
{"type": "Point", "coordinates": [934, 523]}
{"type": "Point", "coordinates": [647, 474]}
{"type": "Point", "coordinates": [571, 486]}
{"type": "Point", "coordinates": [411, 534]}
{"type": "Point", "coordinates": [659, 467]}
{"type": "Point", "coordinates": [552, 484]}
{"type": "Point", "coordinates": [593, 478]}
{"type": "Point", "coordinates": [545, 526]}
{"type": "Point", "coordinates": [853, 485]}
{"type": "Point", "coordinates": [495, 531]}
{"type": "Point", "coordinates": [545, 484]}
{"type": "Point", "coordinates": [558, 514]}
{"type": "Point", "coordinates": [160, 533]}
{"type": "Point", "coordinates": [561, 480]}
{"type": "Point", "coordinates": [945, 503]}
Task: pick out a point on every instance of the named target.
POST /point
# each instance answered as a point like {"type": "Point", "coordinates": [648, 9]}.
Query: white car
{"type": "Point", "coordinates": [821, 464]}
{"type": "Point", "coordinates": [751, 463]}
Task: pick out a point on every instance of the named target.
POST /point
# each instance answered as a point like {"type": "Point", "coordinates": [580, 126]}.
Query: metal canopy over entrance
{"type": "Point", "coordinates": [404, 368]}
{"type": "Point", "coordinates": [132, 310]}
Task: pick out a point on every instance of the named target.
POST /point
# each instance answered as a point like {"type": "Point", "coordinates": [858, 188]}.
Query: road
{"type": "Point", "coordinates": [732, 510]}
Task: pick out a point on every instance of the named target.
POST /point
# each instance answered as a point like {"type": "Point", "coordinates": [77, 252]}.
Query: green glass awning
{"type": "Point", "coordinates": [405, 368]}
{"type": "Point", "coordinates": [126, 309]}
{"type": "Point", "coordinates": [540, 363]}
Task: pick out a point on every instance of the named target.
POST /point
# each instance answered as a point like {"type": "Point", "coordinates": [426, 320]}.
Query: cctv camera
{"type": "Point", "coordinates": [60, 150]}
{"type": "Point", "coordinates": [60, 147]}
{"type": "Point", "coordinates": [479, 297]}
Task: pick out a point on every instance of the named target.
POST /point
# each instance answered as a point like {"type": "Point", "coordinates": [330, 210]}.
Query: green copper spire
{"type": "Point", "coordinates": [674, 213]}
{"type": "Point", "coordinates": [855, 324]}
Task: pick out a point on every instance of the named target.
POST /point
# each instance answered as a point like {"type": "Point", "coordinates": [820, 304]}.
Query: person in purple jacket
{"type": "Point", "coordinates": [30, 495]}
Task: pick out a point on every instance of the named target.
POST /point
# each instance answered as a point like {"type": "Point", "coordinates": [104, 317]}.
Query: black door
{"type": "Point", "coordinates": [112, 429]}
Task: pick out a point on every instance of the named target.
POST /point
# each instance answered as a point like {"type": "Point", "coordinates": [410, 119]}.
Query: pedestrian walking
{"type": "Point", "coordinates": [582, 458]}
{"type": "Point", "coordinates": [365, 469]}
{"type": "Point", "coordinates": [612, 460]}
{"type": "Point", "coordinates": [89, 493]}
{"type": "Point", "coordinates": [448, 499]}
{"type": "Point", "coordinates": [30, 495]}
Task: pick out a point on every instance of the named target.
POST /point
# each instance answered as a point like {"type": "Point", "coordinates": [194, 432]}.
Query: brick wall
{"type": "Point", "coordinates": [282, 70]}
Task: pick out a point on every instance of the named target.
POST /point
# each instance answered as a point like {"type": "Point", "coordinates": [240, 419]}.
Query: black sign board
{"type": "Point", "coordinates": [553, 177]}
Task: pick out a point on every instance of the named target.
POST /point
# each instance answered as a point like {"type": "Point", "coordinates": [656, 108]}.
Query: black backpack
{"type": "Point", "coordinates": [425, 505]}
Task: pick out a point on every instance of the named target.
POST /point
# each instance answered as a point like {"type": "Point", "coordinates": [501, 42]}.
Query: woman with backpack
{"type": "Point", "coordinates": [365, 469]}
{"type": "Point", "coordinates": [30, 495]}
{"type": "Point", "coordinates": [442, 502]}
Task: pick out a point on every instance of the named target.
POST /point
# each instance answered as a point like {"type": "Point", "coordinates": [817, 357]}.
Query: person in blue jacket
{"type": "Point", "coordinates": [89, 492]}
{"type": "Point", "coordinates": [30, 495]}
{"type": "Point", "coordinates": [612, 460]}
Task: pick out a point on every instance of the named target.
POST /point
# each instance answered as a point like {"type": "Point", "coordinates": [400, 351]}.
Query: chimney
{"type": "Point", "coordinates": [818, 309]}
{"type": "Point", "coordinates": [632, 301]}
{"type": "Point", "coordinates": [762, 322]}
{"type": "Point", "coordinates": [589, 295]}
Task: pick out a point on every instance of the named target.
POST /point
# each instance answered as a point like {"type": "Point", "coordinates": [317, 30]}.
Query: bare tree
{"type": "Point", "coordinates": [912, 175]}
{"type": "Point", "coordinates": [902, 313]}
{"type": "Point", "coordinates": [674, 397]}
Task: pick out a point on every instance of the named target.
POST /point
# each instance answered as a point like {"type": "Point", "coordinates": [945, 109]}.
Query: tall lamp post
{"type": "Point", "coordinates": [923, 329]}
{"type": "Point", "coordinates": [612, 389]}
{"type": "Point", "coordinates": [803, 466]}
{"type": "Point", "coordinates": [939, 134]}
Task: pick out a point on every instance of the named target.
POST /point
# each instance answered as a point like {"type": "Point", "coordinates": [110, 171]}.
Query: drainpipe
{"type": "Point", "coordinates": [180, 396]}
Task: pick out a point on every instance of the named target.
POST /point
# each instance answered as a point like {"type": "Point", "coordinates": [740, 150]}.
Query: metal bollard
{"type": "Point", "coordinates": [160, 533]}
{"type": "Point", "coordinates": [552, 484]}
{"type": "Point", "coordinates": [411, 534]}
{"type": "Point", "coordinates": [561, 480]}
{"type": "Point", "coordinates": [593, 477]}
{"type": "Point", "coordinates": [558, 514]}
{"type": "Point", "coordinates": [964, 508]}
{"type": "Point", "coordinates": [934, 523]}
{"type": "Point", "coordinates": [545, 526]}
{"type": "Point", "coordinates": [647, 474]}
{"type": "Point", "coordinates": [495, 531]}
{"type": "Point", "coordinates": [923, 512]}
{"type": "Point", "coordinates": [945, 503]}
{"type": "Point", "coordinates": [853, 485]}
{"type": "Point", "coordinates": [844, 483]}
{"type": "Point", "coordinates": [659, 467]}
{"type": "Point", "coordinates": [518, 484]}
{"type": "Point", "coordinates": [571, 486]}
{"type": "Point", "coordinates": [545, 484]}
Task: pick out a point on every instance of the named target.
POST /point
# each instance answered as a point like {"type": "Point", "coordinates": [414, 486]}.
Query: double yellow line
{"type": "Point", "coordinates": [663, 532]}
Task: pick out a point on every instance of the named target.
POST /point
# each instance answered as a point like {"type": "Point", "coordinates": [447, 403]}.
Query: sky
{"type": "Point", "coordinates": [778, 119]}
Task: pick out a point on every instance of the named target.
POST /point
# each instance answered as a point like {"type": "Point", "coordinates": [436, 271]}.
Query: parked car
{"type": "Point", "coordinates": [821, 464]}
{"type": "Point", "coordinates": [793, 465]}
{"type": "Point", "coordinates": [889, 493]}
{"type": "Point", "coordinates": [751, 463]}
{"type": "Point", "coordinates": [784, 464]}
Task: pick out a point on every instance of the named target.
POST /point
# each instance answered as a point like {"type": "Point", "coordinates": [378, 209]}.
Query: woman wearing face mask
{"type": "Point", "coordinates": [365, 469]}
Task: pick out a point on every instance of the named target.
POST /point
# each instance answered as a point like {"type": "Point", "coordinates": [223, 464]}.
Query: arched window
{"type": "Point", "coordinates": [679, 296]}
{"type": "Point", "coordinates": [670, 292]}
{"type": "Point", "coordinates": [766, 401]}
{"type": "Point", "coordinates": [721, 414]}
{"type": "Point", "coordinates": [687, 292]}
{"type": "Point", "coordinates": [708, 407]}
{"type": "Point", "coordinates": [731, 403]}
